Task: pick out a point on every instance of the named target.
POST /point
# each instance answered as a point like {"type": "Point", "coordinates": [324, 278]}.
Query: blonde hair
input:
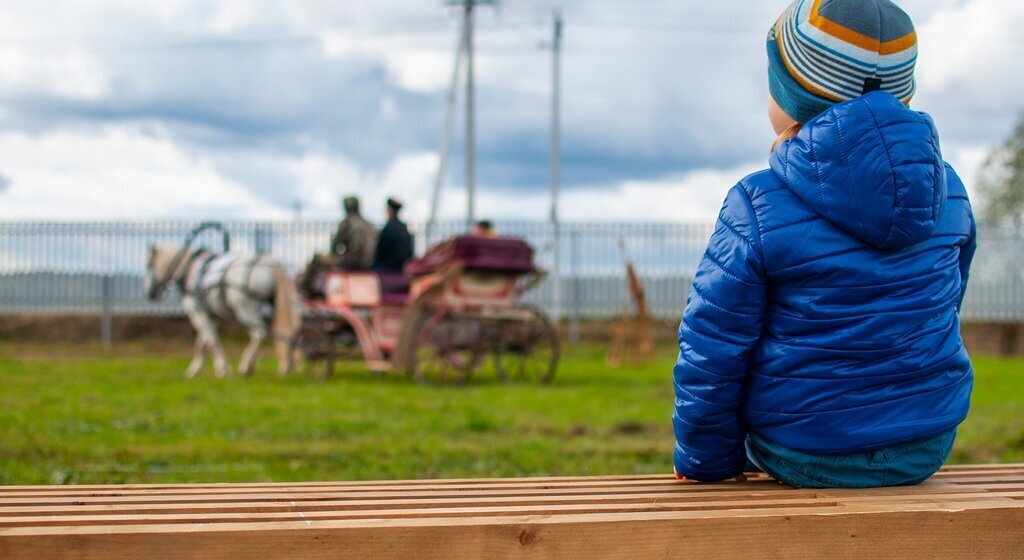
{"type": "Point", "coordinates": [787, 135]}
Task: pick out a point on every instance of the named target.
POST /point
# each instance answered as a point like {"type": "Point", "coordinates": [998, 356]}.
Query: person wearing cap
{"type": "Point", "coordinates": [352, 248]}
{"type": "Point", "coordinates": [484, 229]}
{"type": "Point", "coordinates": [394, 244]}
{"type": "Point", "coordinates": [356, 239]}
{"type": "Point", "coordinates": [821, 341]}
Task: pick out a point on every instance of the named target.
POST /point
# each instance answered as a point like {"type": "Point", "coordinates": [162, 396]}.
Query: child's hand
{"type": "Point", "coordinates": [738, 478]}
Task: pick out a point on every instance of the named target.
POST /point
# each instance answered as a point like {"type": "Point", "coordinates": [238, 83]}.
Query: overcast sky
{"type": "Point", "coordinates": [232, 109]}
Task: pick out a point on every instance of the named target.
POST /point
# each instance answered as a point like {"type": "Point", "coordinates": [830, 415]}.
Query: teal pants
{"type": "Point", "coordinates": [898, 465]}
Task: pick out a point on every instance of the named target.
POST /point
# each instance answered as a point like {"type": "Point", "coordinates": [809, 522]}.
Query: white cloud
{"type": "Point", "coordinates": [71, 76]}
{"type": "Point", "coordinates": [691, 197]}
{"type": "Point", "coordinates": [323, 180]}
{"type": "Point", "coordinates": [976, 42]}
{"type": "Point", "coordinates": [55, 176]}
{"type": "Point", "coordinates": [142, 175]}
{"type": "Point", "coordinates": [967, 162]}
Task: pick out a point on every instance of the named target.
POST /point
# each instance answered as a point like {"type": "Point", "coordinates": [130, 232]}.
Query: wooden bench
{"type": "Point", "coordinates": [963, 513]}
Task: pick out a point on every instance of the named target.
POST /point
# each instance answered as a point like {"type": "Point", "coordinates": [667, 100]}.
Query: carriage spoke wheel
{"type": "Point", "coordinates": [528, 350]}
{"type": "Point", "coordinates": [319, 344]}
{"type": "Point", "coordinates": [447, 349]}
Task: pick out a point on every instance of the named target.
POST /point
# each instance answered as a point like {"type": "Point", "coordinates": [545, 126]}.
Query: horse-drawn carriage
{"type": "Point", "coordinates": [445, 317]}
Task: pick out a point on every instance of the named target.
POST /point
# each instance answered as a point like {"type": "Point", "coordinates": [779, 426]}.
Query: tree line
{"type": "Point", "coordinates": [1001, 180]}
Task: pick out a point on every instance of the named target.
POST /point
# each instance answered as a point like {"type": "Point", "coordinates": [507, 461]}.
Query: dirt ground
{"type": "Point", "coordinates": [161, 335]}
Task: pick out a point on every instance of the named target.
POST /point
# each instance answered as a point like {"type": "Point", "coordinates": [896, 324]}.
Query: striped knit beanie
{"type": "Point", "coordinates": [823, 52]}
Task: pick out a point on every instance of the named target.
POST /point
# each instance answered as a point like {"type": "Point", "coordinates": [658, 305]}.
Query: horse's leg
{"type": "Point", "coordinates": [248, 314]}
{"type": "Point", "coordinates": [243, 302]}
{"type": "Point", "coordinates": [207, 328]}
{"type": "Point", "coordinates": [252, 351]}
{"type": "Point", "coordinates": [195, 317]}
{"type": "Point", "coordinates": [197, 358]}
{"type": "Point", "coordinates": [220, 358]}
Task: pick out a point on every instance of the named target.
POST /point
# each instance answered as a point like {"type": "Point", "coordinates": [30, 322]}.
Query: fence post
{"type": "Point", "coordinates": [107, 322]}
{"type": "Point", "coordinates": [556, 284]}
{"type": "Point", "coordinates": [574, 321]}
{"type": "Point", "coordinates": [262, 239]}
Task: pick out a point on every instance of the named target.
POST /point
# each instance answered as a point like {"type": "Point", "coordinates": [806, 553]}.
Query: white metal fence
{"type": "Point", "coordinates": [92, 268]}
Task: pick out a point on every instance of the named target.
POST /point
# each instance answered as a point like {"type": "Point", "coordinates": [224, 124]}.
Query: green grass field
{"type": "Point", "coordinates": [82, 415]}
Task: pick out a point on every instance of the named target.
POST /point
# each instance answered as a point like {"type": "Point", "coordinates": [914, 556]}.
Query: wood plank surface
{"type": "Point", "coordinates": [963, 512]}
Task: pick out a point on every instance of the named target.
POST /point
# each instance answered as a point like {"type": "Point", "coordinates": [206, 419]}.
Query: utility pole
{"type": "Point", "coordinates": [467, 16]}
{"type": "Point", "coordinates": [470, 118]}
{"type": "Point", "coordinates": [446, 134]}
{"type": "Point", "coordinates": [556, 160]}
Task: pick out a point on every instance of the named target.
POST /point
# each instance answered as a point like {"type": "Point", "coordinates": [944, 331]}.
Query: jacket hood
{"type": "Point", "coordinates": [872, 167]}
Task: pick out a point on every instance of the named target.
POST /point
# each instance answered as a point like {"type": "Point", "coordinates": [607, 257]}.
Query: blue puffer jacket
{"type": "Point", "coordinates": [823, 315]}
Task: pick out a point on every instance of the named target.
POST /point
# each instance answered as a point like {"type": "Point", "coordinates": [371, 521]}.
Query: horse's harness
{"type": "Point", "coordinates": [185, 248]}
{"type": "Point", "coordinates": [200, 289]}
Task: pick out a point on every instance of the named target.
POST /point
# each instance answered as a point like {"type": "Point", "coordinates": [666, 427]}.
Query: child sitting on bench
{"type": "Point", "coordinates": [821, 338]}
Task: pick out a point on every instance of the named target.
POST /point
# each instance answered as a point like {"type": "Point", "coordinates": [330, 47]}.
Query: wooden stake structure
{"type": "Point", "coordinates": [632, 333]}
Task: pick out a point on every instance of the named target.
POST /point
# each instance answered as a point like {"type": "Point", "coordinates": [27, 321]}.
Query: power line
{"type": "Point", "coordinates": [58, 47]}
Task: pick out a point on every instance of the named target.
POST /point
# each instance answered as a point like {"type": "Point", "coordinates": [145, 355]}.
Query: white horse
{"type": "Point", "coordinates": [231, 287]}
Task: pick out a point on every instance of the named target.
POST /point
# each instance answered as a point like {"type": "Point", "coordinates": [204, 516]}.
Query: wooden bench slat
{"type": "Point", "coordinates": [962, 473]}
{"type": "Point", "coordinates": [174, 490]}
{"type": "Point", "coordinates": [481, 482]}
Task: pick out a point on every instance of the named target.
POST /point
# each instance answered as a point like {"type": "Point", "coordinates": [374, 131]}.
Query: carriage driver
{"type": "Point", "coordinates": [352, 247]}
{"type": "Point", "coordinates": [395, 243]}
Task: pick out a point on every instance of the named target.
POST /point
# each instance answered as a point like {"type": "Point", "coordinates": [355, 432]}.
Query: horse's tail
{"type": "Point", "coordinates": [286, 317]}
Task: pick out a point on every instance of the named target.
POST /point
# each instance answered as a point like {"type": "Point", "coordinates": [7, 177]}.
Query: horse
{"type": "Point", "coordinates": [231, 287]}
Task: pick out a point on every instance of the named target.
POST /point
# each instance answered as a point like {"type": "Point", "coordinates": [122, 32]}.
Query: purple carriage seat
{"type": "Point", "coordinates": [503, 255]}
{"type": "Point", "coordinates": [394, 288]}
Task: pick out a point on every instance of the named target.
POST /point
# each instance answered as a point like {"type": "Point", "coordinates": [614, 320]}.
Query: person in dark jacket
{"type": "Point", "coordinates": [821, 338]}
{"type": "Point", "coordinates": [394, 243]}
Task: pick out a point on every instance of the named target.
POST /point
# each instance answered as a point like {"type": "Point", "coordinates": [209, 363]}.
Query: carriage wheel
{"type": "Point", "coordinates": [447, 349]}
{"type": "Point", "coordinates": [528, 350]}
{"type": "Point", "coordinates": [319, 343]}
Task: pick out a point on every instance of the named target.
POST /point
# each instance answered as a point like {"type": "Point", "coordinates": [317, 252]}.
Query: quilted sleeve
{"type": "Point", "coordinates": [722, 323]}
{"type": "Point", "coordinates": [958, 194]}
{"type": "Point", "coordinates": [966, 256]}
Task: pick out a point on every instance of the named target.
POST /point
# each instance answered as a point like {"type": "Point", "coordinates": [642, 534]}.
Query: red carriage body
{"type": "Point", "coordinates": [437, 321]}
